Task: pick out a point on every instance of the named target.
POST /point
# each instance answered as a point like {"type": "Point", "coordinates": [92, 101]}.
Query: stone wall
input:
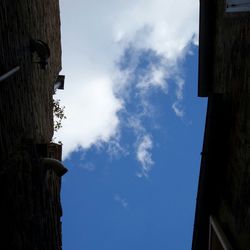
{"type": "Point", "coordinates": [224, 185]}
{"type": "Point", "coordinates": [30, 207]}
{"type": "Point", "coordinates": [26, 98]}
{"type": "Point", "coordinates": [232, 78]}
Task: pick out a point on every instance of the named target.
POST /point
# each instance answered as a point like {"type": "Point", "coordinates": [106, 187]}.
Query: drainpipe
{"type": "Point", "coordinates": [57, 166]}
{"type": "Point", "coordinates": [9, 73]}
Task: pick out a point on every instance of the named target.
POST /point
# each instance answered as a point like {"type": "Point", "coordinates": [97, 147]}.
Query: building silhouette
{"type": "Point", "coordinates": [30, 180]}
{"type": "Point", "coordinates": [222, 218]}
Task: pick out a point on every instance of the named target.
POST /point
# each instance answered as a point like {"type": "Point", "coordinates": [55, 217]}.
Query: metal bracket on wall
{"type": "Point", "coordinates": [9, 73]}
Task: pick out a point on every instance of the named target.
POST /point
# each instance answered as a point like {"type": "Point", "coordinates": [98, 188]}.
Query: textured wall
{"type": "Point", "coordinates": [26, 98]}
{"type": "Point", "coordinates": [30, 207]}
{"type": "Point", "coordinates": [224, 185]}
{"type": "Point", "coordinates": [232, 78]}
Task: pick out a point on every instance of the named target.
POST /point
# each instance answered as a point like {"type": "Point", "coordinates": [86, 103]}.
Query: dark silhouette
{"type": "Point", "coordinates": [42, 50]}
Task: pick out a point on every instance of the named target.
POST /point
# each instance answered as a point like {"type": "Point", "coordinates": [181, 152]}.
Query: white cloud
{"type": "Point", "coordinates": [179, 90]}
{"type": "Point", "coordinates": [90, 167]}
{"type": "Point", "coordinates": [134, 122]}
{"type": "Point", "coordinates": [94, 36]}
{"type": "Point", "coordinates": [91, 115]}
{"type": "Point", "coordinates": [122, 201]}
{"type": "Point", "coordinates": [144, 156]}
{"type": "Point", "coordinates": [115, 150]}
{"type": "Point", "coordinates": [176, 106]}
{"type": "Point", "coordinates": [154, 77]}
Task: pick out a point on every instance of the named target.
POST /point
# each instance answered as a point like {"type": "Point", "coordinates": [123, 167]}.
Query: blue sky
{"type": "Point", "coordinates": [134, 128]}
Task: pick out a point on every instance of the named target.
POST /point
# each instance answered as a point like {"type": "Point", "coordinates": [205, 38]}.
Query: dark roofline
{"type": "Point", "coordinates": [213, 126]}
{"type": "Point", "coordinates": [206, 46]}
{"type": "Point", "coordinates": [214, 153]}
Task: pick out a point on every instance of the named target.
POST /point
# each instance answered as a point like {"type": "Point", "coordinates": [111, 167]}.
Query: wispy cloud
{"type": "Point", "coordinates": [87, 166]}
{"type": "Point", "coordinates": [177, 106]}
{"type": "Point", "coordinates": [144, 155]}
{"type": "Point", "coordinates": [179, 90]}
{"type": "Point", "coordinates": [122, 201]}
{"type": "Point", "coordinates": [115, 150]}
{"type": "Point", "coordinates": [96, 87]}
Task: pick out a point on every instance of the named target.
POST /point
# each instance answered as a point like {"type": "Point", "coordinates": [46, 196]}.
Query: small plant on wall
{"type": "Point", "coordinates": [59, 115]}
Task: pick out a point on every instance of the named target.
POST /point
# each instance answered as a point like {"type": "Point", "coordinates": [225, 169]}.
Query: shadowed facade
{"type": "Point", "coordinates": [30, 209]}
{"type": "Point", "coordinates": [224, 77]}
